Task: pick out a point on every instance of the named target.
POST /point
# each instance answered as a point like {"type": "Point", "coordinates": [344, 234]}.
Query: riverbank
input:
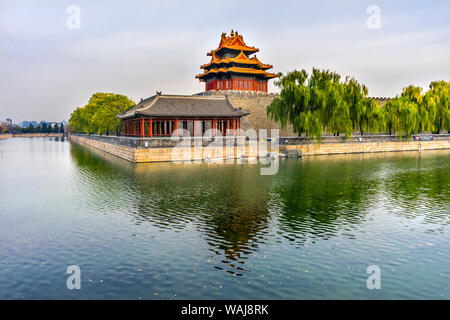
{"type": "Point", "coordinates": [29, 135]}
{"type": "Point", "coordinates": [165, 149]}
{"type": "Point", "coordinates": [365, 144]}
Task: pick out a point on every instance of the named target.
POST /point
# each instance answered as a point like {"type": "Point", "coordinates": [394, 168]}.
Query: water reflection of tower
{"type": "Point", "coordinates": [238, 232]}
{"type": "Point", "coordinates": [227, 206]}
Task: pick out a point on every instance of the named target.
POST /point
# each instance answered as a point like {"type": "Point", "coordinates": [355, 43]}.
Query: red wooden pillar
{"type": "Point", "coordinates": [150, 128]}
{"type": "Point", "coordinates": [176, 127]}
{"type": "Point", "coordinates": [124, 128]}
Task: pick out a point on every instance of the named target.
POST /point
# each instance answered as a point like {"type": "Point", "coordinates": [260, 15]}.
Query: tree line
{"type": "Point", "coordinates": [44, 128]}
{"type": "Point", "coordinates": [322, 102]}
{"type": "Point", "coordinates": [311, 104]}
{"type": "Point", "coordinates": [99, 115]}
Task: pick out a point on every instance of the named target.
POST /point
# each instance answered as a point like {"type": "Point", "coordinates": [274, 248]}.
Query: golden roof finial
{"type": "Point", "coordinates": [232, 33]}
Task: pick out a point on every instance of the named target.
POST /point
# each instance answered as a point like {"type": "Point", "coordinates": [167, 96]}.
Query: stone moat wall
{"type": "Point", "coordinates": [256, 103]}
{"type": "Point", "coordinates": [366, 145]}
{"type": "Point", "coordinates": [163, 149]}
{"type": "Point", "coordinates": [29, 135]}
{"type": "Point", "coordinates": [166, 149]}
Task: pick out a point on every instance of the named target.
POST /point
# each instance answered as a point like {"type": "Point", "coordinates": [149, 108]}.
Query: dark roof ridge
{"type": "Point", "coordinates": [185, 106]}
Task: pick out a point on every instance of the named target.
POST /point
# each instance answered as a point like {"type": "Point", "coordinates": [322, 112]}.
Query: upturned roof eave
{"type": "Point", "coordinates": [245, 49]}
{"type": "Point", "coordinates": [264, 74]}
{"type": "Point", "coordinates": [229, 115]}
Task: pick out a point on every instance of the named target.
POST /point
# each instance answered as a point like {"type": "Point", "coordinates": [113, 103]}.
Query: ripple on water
{"type": "Point", "coordinates": [165, 231]}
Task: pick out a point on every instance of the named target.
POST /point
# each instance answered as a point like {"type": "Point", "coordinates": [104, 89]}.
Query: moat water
{"type": "Point", "coordinates": [171, 231]}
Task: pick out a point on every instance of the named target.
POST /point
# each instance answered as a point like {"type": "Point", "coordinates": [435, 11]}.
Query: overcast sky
{"type": "Point", "coordinates": [137, 47]}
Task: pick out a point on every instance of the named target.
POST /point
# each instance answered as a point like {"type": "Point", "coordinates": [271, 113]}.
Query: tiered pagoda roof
{"type": "Point", "coordinates": [234, 42]}
{"type": "Point", "coordinates": [232, 59]}
{"type": "Point", "coordinates": [241, 58]}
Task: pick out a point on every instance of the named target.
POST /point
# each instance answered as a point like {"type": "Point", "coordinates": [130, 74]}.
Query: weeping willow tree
{"type": "Point", "coordinates": [428, 112]}
{"type": "Point", "coordinates": [99, 115]}
{"type": "Point", "coordinates": [439, 97]}
{"type": "Point", "coordinates": [365, 113]}
{"type": "Point", "coordinates": [355, 97]}
{"type": "Point", "coordinates": [415, 112]}
{"type": "Point", "coordinates": [402, 116]}
{"type": "Point", "coordinates": [321, 101]}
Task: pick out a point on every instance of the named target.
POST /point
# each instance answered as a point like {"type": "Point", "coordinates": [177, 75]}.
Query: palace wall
{"type": "Point", "coordinates": [256, 103]}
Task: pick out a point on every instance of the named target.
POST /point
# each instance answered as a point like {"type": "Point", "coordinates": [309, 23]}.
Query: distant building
{"type": "Point", "coordinates": [26, 124]}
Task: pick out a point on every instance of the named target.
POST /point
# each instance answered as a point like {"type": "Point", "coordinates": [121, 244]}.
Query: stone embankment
{"type": "Point", "coordinates": [166, 149]}
{"type": "Point", "coordinates": [29, 135]}
{"type": "Point", "coordinates": [365, 144]}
